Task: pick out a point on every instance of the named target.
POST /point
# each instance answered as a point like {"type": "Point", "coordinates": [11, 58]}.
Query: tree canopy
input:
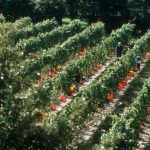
{"type": "Point", "coordinates": [112, 12]}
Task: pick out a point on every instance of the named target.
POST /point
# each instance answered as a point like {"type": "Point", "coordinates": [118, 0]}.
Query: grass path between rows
{"type": "Point", "coordinates": [143, 143]}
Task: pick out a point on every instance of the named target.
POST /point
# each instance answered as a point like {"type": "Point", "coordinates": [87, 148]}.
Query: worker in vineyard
{"type": "Point", "coordinates": [77, 80]}
{"type": "Point", "coordinates": [119, 49]}
{"type": "Point", "coordinates": [138, 62]}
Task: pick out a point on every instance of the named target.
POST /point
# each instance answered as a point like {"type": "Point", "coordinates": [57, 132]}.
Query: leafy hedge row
{"type": "Point", "coordinates": [60, 54]}
{"type": "Point", "coordinates": [33, 30]}
{"type": "Point", "coordinates": [49, 39]}
{"type": "Point", "coordinates": [9, 29]}
{"type": "Point", "coordinates": [22, 23]}
{"type": "Point", "coordinates": [72, 118]}
{"type": "Point", "coordinates": [92, 57]}
{"type": "Point", "coordinates": [90, 35]}
{"type": "Point", "coordinates": [84, 64]}
{"type": "Point", "coordinates": [125, 131]}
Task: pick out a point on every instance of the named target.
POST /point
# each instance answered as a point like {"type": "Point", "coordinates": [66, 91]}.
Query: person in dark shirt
{"type": "Point", "coordinates": [119, 49]}
{"type": "Point", "coordinates": [138, 62]}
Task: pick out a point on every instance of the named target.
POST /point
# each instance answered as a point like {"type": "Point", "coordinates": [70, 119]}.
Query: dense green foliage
{"type": "Point", "coordinates": [35, 29]}
{"type": "Point", "coordinates": [74, 115]}
{"type": "Point", "coordinates": [125, 130]}
{"type": "Point", "coordinates": [49, 39]}
{"type": "Point", "coordinates": [12, 117]}
{"type": "Point", "coordinates": [84, 64]}
{"type": "Point", "coordinates": [58, 55]}
{"type": "Point", "coordinates": [113, 12]}
{"type": "Point", "coordinates": [31, 50]}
